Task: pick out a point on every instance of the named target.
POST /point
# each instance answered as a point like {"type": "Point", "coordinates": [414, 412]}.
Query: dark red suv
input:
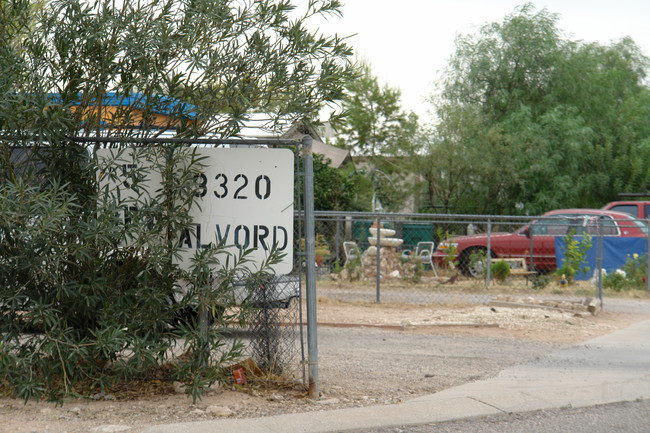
{"type": "Point", "coordinates": [539, 236]}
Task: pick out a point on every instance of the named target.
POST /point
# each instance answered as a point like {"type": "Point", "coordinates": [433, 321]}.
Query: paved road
{"type": "Point", "coordinates": [628, 417]}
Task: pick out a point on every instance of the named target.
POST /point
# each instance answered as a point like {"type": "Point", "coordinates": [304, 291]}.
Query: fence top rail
{"type": "Point", "coordinates": [462, 218]}
{"type": "Point", "coordinates": [422, 216]}
{"type": "Point", "coordinates": [214, 141]}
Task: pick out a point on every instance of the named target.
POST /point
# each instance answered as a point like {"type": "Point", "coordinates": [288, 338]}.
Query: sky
{"type": "Point", "coordinates": [408, 42]}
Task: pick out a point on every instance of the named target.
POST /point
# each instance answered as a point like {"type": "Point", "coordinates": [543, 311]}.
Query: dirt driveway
{"type": "Point", "coordinates": [369, 354]}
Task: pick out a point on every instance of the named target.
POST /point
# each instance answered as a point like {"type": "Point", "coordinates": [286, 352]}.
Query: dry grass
{"type": "Point", "coordinates": [428, 283]}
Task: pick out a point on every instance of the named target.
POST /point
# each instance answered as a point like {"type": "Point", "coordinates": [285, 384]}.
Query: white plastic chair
{"type": "Point", "coordinates": [351, 251]}
{"type": "Point", "coordinates": [424, 252]}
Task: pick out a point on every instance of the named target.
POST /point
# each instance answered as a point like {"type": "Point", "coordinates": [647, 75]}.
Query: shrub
{"type": "Point", "coordinates": [575, 254]}
{"type": "Point", "coordinates": [633, 277]}
{"type": "Point", "coordinates": [540, 282]}
{"type": "Point", "coordinates": [500, 270]}
{"type": "Point", "coordinates": [614, 281]}
{"type": "Point", "coordinates": [102, 291]}
{"type": "Point", "coordinates": [449, 247]}
{"type": "Point", "coordinates": [636, 271]}
{"type": "Point", "coordinates": [414, 268]}
{"type": "Point", "coordinates": [353, 264]}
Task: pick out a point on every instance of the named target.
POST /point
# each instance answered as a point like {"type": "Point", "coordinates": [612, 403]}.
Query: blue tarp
{"type": "Point", "coordinates": [616, 251]}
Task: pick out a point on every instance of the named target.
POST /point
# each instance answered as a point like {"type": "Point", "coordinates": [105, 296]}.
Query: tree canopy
{"type": "Point", "coordinates": [206, 64]}
{"type": "Point", "coordinates": [374, 126]}
{"type": "Point", "coordinates": [373, 122]}
{"type": "Point", "coordinates": [334, 188]}
{"type": "Point", "coordinates": [530, 120]}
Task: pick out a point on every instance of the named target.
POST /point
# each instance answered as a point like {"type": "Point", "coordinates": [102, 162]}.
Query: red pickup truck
{"type": "Point", "coordinates": [639, 209]}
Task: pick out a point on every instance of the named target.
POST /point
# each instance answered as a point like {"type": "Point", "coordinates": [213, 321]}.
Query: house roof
{"type": "Point", "coordinates": [257, 126]}
{"type": "Point", "coordinates": [260, 127]}
{"type": "Point", "coordinates": [159, 104]}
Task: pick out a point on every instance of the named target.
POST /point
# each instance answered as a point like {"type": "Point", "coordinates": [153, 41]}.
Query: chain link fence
{"type": "Point", "coordinates": [443, 259]}
{"type": "Point", "coordinates": [273, 332]}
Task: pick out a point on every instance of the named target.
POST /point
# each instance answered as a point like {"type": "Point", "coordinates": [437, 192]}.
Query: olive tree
{"type": "Point", "coordinates": [96, 283]}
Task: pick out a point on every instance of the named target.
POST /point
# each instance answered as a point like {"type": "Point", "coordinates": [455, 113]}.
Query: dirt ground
{"type": "Point", "coordinates": [368, 354]}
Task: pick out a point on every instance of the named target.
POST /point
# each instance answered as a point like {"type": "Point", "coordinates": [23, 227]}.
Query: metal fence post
{"type": "Point", "coordinates": [310, 247]}
{"type": "Point", "coordinates": [378, 295]}
{"type": "Point", "coordinates": [204, 323]}
{"type": "Point", "coordinates": [337, 242]}
{"type": "Point", "coordinates": [647, 276]}
{"type": "Point", "coordinates": [488, 271]}
{"type": "Point", "coordinates": [531, 266]}
{"type": "Point", "coordinates": [599, 262]}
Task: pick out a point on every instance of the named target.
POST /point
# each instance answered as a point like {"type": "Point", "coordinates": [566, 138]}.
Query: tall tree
{"type": "Point", "coordinates": [373, 122]}
{"type": "Point", "coordinates": [447, 165]}
{"type": "Point", "coordinates": [557, 123]}
{"type": "Point", "coordinates": [375, 127]}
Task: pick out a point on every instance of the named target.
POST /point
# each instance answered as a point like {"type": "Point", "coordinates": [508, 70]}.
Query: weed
{"type": "Point", "coordinates": [353, 265]}
{"type": "Point", "coordinates": [636, 269]}
{"type": "Point", "coordinates": [614, 281]}
{"type": "Point", "coordinates": [500, 270]}
{"type": "Point", "coordinates": [449, 247]}
{"type": "Point", "coordinates": [540, 281]}
{"type": "Point", "coordinates": [575, 255]}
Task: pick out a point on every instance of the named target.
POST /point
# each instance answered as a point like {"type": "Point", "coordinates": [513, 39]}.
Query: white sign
{"type": "Point", "coordinates": [245, 199]}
